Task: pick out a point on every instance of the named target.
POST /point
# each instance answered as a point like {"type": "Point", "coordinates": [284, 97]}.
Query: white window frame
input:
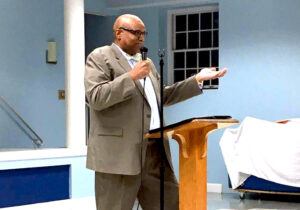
{"type": "Point", "coordinates": [170, 35]}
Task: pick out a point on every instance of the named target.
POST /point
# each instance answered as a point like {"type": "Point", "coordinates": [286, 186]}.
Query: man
{"type": "Point", "coordinates": [126, 165]}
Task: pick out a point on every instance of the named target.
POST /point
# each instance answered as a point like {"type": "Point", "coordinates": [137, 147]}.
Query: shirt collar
{"type": "Point", "coordinates": [137, 57]}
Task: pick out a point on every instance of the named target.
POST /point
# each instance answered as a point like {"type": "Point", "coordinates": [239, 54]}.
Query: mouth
{"type": "Point", "coordinates": [139, 45]}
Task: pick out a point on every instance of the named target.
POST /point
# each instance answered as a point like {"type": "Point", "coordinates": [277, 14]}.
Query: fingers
{"type": "Point", "coordinates": [217, 74]}
{"type": "Point", "coordinates": [144, 63]}
{"type": "Point", "coordinates": [210, 73]}
{"type": "Point", "coordinates": [222, 72]}
{"type": "Point", "coordinates": [141, 70]}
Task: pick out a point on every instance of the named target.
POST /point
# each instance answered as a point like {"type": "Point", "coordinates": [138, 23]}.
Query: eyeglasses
{"type": "Point", "coordinates": [137, 33]}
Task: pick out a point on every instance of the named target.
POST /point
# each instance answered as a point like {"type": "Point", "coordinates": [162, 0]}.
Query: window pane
{"type": "Point", "coordinates": [206, 83]}
{"type": "Point", "coordinates": [216, 20]}
{"type": "Point", "coordinates": [193, 22]}
{"type": "Point", "coordinates": [191, 72]}
{"type": "Point", "coordinates": [206, 21]}
{"type": "Point", "coordinates": [216, 38]}
{"type": "Point", "coordinates": [204, 59]}
{"type": "Point", "coordinates": [181, 23]}
{"type": "Point", "coordinates": [215, 58]}
{"type": "Point", "coordinates": [179, 75]}
{"type": "Point", "coordinates": [215, 82]}
{"type": "Point", "coordinates": [178, 60]}
{"type": "Point", "coordinates": [191, 59]}
{"type": "Point", "coordinates": [193, 40]}
{"type": "Point", "coordinates": [205, 39]}
{"type": "Point", "coordinates": [180, 41]}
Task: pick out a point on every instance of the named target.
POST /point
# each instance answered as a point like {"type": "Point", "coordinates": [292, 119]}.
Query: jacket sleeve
{"type": "Point", "coordinates": [102, 89]}
{"type": "Point", "coordinates": [179, 91]}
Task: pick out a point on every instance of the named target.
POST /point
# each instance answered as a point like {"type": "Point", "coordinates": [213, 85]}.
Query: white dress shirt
{"type": "Point", "coordinates": [149, 90]}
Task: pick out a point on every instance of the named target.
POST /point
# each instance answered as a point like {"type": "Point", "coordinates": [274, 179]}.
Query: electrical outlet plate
{"type": "Point", "coordinates": [61, 94]}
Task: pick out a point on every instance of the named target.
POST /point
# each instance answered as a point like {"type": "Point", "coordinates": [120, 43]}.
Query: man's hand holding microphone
{"type": "Point", "coordinates": [140, 70]}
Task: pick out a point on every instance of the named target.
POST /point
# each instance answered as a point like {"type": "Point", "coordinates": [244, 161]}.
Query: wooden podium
{"type": "Point", "coordinates": [192, 140]}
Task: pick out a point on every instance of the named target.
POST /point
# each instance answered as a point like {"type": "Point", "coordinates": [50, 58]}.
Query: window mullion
{"type": "Point", "coordinates": [183, 40]}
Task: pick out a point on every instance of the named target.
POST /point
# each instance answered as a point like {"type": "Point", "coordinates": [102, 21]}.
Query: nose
{"type": "Point", "coordinates": [142, 38]}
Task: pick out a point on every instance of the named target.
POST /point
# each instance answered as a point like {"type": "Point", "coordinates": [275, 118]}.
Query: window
{"type": "Point", "coordinates": [194, 35]}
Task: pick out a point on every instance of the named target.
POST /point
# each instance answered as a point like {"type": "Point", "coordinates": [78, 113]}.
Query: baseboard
{"type": "Point", "coordinates": [214, 188]}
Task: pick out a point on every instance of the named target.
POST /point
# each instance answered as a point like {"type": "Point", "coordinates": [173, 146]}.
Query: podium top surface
{"type": "Point", "coordinates": [219, 119]}
{"type": "Point", "coordinates": [193, 123]}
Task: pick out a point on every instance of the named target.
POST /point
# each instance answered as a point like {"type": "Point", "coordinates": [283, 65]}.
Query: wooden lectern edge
{"type": "Point", "coordinates": [220, 124]}
{"type": "Point", "coordinates": [157, 134]}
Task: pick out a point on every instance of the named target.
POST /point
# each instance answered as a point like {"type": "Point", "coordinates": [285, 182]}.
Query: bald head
{"type": "Point", "coordinates": [126, 20]}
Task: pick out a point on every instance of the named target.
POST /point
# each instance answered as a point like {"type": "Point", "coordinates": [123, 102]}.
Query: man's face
{"type": "Point", "coordinates": [131, 36]}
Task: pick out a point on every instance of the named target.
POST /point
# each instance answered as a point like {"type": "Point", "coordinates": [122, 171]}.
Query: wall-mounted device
{"type": "Point", "coordinates": [51, 52]}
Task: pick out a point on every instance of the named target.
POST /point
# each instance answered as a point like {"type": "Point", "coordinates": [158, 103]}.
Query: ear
{"type": "Point", "coordinates": [118, 34]}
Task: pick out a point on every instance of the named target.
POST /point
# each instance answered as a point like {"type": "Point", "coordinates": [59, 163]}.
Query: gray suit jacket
{"type": "Point", "coordinates": [116, 101]}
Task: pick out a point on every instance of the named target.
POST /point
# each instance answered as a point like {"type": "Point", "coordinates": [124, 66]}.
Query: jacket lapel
{"type": "Point", "coordinates": [120, 58]}
{"type": "Point", "coordinates": [126, 67]}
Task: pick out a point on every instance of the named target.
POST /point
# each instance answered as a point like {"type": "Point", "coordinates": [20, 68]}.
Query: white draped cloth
{"type": "Point", "coordinates": [265, 149]}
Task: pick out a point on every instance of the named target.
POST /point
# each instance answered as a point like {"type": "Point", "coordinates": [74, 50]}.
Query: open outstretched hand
{"type": "Point", "coordinates": [210, 73]}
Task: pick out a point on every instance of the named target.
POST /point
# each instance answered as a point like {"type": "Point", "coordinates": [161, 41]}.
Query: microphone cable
{"type": "Point", "coordinates": [143, 51]}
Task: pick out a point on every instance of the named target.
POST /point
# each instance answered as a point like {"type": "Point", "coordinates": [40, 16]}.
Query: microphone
{"type": "Point", "coordinates": [144, 51]}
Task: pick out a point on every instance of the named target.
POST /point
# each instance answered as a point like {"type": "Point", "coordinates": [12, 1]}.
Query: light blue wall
{"type": "Point", "coordinates": [259, 44]}
{"type": "Point", "coordinates": [98, 31]}
{"type": "Point", "coordinates": [98, 7]}
{"type": "Point", "coordinates": [134, 3]}
{"type": "Point", "coordinates": [94, 6]}
{"type": "Point", "coordinates": [27, 82]}
{"type": "Point", "coordinates": [82, 180]}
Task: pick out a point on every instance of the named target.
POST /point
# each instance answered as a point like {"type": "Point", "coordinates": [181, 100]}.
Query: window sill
{"type": "Point", "coordinates": [39, 154]}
